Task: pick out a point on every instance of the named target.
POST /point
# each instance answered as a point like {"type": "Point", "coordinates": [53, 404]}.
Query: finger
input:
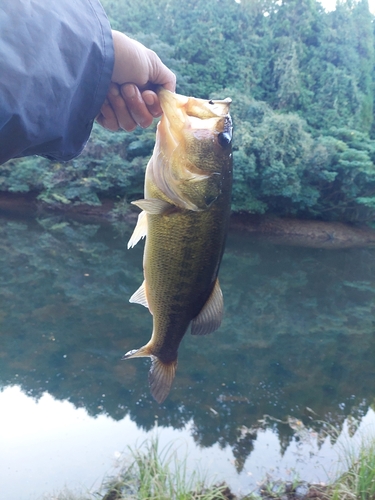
{"type": "Point", "coordinates": [107, 117]}
{"type": "Point", "coordinates": [136, 105]}
{"type": "Point", "coordinates": [120, 108]}
{"type": "Point", "coordinates": [160, 73]}
{"type": "Point", "coordinates": [152, 102]}
{"type": "Point", "coordinates": [169, 79]}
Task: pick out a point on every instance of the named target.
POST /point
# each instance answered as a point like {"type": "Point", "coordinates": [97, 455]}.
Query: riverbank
{"type": "Point", "coordinates": [150, 473]}
{"type": "Point", "coordinates": [285, 231]}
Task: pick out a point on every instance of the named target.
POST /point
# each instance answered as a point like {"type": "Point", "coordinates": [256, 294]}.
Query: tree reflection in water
{"type": "Point", "coordinates": [298, 333]}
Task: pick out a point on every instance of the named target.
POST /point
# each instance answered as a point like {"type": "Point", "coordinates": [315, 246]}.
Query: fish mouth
{"type": "Point", "coordinates": [173, 106]}
{"type": "Point", "coordinates": [169, 100]}
{"type": "Point", "coordinates": [176, 106]}
{"type": "Point", "coordinates": [180, 112]}
{"type": "Point", "coordinates": [173, 120]}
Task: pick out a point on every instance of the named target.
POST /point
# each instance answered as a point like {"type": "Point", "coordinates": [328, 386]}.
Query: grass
{"type": "Point", "coordinates": [355, 482]}
{"type": "Point", "coordinates": [153, 474]}
{"type": "Point", "coordinates": [159, 475]}
{"type": "Point", "coordinates": [358, 482]}
{"type": "Point", "coordinates": [148, 473]}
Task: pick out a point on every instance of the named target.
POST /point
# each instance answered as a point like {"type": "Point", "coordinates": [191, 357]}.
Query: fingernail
{"type": "Point", "coordinates": [149, 99]}
{"type": "Point", "coordinates": [129, 91]}
{"type": "Point", "coordinates": [114, 90]}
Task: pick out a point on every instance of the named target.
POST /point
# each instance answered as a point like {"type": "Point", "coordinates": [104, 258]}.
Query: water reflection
{"type": "Point", "coordinates": [298, 333]}
{"type": "Point", "coordinates": [53, 445]}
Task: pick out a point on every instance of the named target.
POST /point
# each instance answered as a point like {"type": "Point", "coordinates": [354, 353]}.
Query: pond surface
{"type": "Point", "coordinates": [294, 354]}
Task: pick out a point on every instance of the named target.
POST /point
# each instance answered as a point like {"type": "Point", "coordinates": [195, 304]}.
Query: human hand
{"type": "Point", "coordinates": [129, 103]}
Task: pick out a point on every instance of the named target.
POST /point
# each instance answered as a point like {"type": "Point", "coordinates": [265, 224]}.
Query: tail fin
{"type": "Point", "coordinates": [161, 374]}
{"type": "Point", "coordinates": [160, 378]}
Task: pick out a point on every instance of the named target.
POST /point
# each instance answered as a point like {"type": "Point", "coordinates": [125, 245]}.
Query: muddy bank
{"type": "Point", "coordinates": [297, 232]}
{"type": "Point", "coordinates": [15, 204]}
{"type": "Point", "coordinates": [307, 233]}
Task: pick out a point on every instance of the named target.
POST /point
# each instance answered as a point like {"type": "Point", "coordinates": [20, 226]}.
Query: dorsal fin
{"type": "Point", "coordinates": [209, 319]}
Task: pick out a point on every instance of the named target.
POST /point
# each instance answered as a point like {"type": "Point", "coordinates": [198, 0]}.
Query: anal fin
{"type": "Point", "coordinates": [160, 378]}
{"type": "Point", "coordinates": [142, 352]}
{"type": "Point", "coordinates": [211, 315]}
{"type": "Point", "coordinates": [140, 230]}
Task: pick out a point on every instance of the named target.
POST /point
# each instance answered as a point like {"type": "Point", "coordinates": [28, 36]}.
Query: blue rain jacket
{"type": "Point", "coordinates": [56, 62]}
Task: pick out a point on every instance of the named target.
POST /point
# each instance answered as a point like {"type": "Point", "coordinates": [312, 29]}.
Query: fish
{"type": "Point", "coordinates": [184, 218]}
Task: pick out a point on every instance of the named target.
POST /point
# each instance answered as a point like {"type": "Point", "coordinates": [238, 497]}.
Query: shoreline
{"type": "Point", "coordinates": [284, 231]}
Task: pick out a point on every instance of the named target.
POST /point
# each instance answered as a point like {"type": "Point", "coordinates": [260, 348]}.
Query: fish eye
{"type": "Point", "coordinates": [224, 138]}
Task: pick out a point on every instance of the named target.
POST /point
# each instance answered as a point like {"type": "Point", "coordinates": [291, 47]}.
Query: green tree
{"type": "Point", "coordinates": [302, 84]}
{"type": "Point", "coordinates": [341, 70]}
{"type": "Point", "coordinates": [272, 152]}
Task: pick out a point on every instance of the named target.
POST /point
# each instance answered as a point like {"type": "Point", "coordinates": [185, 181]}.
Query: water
{"type": "Point", "coordinates": [296, 349]}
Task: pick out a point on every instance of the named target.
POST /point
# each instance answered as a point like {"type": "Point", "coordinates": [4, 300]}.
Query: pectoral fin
{"type": "Point", "coordinates": [209, 319]}
{"type": "Point", "coordinates": [154, 206]}
{"type": "Point", "coordinates": [140, 230]}
{"type": "Point", "coordinates": [160, 378]}
{"type": "Point", "coordinates": [139, 297]}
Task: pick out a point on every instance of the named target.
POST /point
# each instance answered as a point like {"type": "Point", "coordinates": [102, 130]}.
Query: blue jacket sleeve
{"type": "Point", "coordinates": [56, 62]}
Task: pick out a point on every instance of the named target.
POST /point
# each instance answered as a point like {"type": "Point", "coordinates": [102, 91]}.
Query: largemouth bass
{"type": "Point", "coordinates": [184, 217]}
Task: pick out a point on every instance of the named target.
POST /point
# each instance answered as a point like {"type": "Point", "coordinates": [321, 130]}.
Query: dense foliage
{"type": "Point", "coordinates": [302, 84]}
